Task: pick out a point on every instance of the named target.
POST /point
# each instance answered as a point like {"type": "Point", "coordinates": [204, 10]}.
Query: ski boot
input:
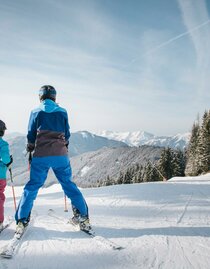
{"type": "Point", "coordinates": [75, 219]}
{"type": "Point", "coordinates": [84, 224]}
{"type": "Point", "coordinates": [1, 226]}
{"type": "Point", "coordinates": [20, 228]}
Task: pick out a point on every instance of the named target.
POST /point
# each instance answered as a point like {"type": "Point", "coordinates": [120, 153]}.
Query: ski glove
{"type": "Point", "coordinates": [29, 147]}
{"type": "Point", "coordinates": [67, 144]}
{"type": "Point", "coordinates": [11, 161]}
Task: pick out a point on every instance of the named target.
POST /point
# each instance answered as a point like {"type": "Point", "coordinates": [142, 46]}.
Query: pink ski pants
{"type": "Point", "coordinates": [2, 198]}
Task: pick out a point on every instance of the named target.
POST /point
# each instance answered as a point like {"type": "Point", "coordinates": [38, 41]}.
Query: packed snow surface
{"type": "Point", "coordinates": [161, 225]}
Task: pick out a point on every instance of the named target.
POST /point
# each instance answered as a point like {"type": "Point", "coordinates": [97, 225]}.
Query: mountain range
{"type": "Point", "coordinates": [139, 138]}
{"type": "Point", "coordinates": [80, 143]}
{"type": "Point", "coordinates": [94, 157]}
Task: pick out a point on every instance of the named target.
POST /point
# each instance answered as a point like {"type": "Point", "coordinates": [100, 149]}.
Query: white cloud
{"type": "Point", "coordinates": [195, 13]}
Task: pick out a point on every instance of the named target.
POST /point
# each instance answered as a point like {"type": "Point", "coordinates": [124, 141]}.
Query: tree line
{"type": "Point", "coordinates": [170, 164]}
{"type": "Point", "coordinates": [192, 161]}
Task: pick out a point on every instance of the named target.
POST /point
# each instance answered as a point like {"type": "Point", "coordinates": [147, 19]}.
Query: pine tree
{"type": "Point", "coordinates": [166, 163]}
{"type": "Point", "coordinates": [179, 163]}
{"type": "Point", "coordinates": [203, 151]}
{"type": "Point", "coordinates": [140, 174]}
{"type": "Point", "coordinates": [108, 181]}
{"type": "Point", "coordinates": [127, 177]}
{"type": "Point", "coordinates": [137, 177]}
{"type": "Point", "coordinates": [192, 152]}
{"type": "Point", "coordinates": [120, 178]}
{"type": "Point", "coordinates": [149, 173]}
{"type": "Point", "coordinates": [154, 174]}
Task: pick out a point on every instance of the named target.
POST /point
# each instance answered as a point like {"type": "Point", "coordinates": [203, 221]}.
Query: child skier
{"type": "Point", "coordinates": [5, 161]}
{"type": "Point", "coordinates": [48, 139]}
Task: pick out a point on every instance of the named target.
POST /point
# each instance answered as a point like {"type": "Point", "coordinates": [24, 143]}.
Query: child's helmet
{"type": "Point", "coordinates": [47, 92]}
{"type": "Point", "coordinates": [2, 126]}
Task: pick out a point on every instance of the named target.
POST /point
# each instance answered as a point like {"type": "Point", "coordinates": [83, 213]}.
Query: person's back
{"type": "Point", "coordinates": [48, 137]}
{"type": "Point", "coordinates": [48, 126]}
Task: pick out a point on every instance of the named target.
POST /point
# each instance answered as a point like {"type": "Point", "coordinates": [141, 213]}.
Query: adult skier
{"type": "Point", "coordinates": [5, 161]}
{"type": "Point", "coordinates": [48, 139]}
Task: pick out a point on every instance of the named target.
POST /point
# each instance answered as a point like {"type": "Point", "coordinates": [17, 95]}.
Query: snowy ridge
{"type": "Point", "coordinates": [144, 138]}
{"type": "Point", "coordinates": [159, 225]}
{"type": "Point", "coordinates": [131, 138]}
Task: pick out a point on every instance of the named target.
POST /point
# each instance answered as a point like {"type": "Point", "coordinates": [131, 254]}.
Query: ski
{"type": "Point", "coordinates": [92, 234]}
{"type": "Point", "coordinates": [6, 225]}
{"type": "Point", "coordinates": [9, 250]}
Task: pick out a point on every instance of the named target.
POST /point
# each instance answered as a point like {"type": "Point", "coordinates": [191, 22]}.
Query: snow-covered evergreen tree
{"type": "Point", "coordinates": [138, 178]}
{"type": "Point", "coordinates": [198, 153]}
{"type": "Point", "coordinates": [128, 177]}
{"type": "Point", "coordinates": [120, 178]}
{"type": "Point", "coordinates": [179, 163]}
{"type": "Point", "coordinates": [166, 163]}
{"type": "Point", "coordinates": [147, 172]}
{"type": "Point", "coordinates": [203, 151]}
{"type": "Point", "coordinates": [192, 151]}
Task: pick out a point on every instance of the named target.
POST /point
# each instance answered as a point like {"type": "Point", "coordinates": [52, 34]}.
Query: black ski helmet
{"type": "Point", "coordinates": [2, 126]}
{"type": "Point", "coordinates": [47, 92]}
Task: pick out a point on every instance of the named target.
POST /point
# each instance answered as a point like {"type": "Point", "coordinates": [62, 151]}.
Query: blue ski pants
{"type": "Point", "coordinates": [38, 174]}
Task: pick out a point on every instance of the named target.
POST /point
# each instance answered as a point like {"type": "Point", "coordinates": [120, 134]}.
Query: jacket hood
{"type": "Point", "coordinates": [48, 106]}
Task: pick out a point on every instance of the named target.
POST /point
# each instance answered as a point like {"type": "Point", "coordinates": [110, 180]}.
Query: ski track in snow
{"type": "Point", "coordinates": [163, 225]}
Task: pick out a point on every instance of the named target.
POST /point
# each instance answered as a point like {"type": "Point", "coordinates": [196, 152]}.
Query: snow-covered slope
{"type": "Point", "coordinates": [93, 167]}
{"type": "Point", "coordinates": [144, 138]}
{"type": "Point", "coordinates": [163, 225]}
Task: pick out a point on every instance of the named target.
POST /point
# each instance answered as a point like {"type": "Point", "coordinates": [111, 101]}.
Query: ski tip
{"type": "Point", "coordinates": [6, 255]}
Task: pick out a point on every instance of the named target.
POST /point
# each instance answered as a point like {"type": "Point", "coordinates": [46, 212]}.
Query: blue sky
{"type": "Point", "coordinates": [122, 65]}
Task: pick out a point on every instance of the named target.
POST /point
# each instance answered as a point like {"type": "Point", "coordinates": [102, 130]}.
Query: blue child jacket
{"type": "Point", "coordinates": [4, 158]}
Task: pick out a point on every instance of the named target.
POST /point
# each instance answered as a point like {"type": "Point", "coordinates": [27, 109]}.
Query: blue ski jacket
{"type": "Point", "coordinates": [4, 158]}
{"type": "Point", "coordinates": [48, 130]}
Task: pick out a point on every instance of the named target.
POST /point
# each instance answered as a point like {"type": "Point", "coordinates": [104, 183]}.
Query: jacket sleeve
{"type": "Point", "coordinates": [32, 130]}
{"type": "Point", "coordinates": [67, 129]}
{"type": "Point", "coordinates": [5, 155]}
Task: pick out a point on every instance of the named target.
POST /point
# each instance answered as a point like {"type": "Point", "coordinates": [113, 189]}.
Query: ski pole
{"type": "Point", "coordinates": [65, 204]}
{"type": "Point", "coordinates": [13, 189]}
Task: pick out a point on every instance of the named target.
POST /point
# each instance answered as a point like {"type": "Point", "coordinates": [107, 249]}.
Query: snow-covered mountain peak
{"type": "Point", "coordinates": [139, 138]}
{"type": "Point", "coordinates": [130, 138]}
{"type": "Point", "coordinates": [86, 134]}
